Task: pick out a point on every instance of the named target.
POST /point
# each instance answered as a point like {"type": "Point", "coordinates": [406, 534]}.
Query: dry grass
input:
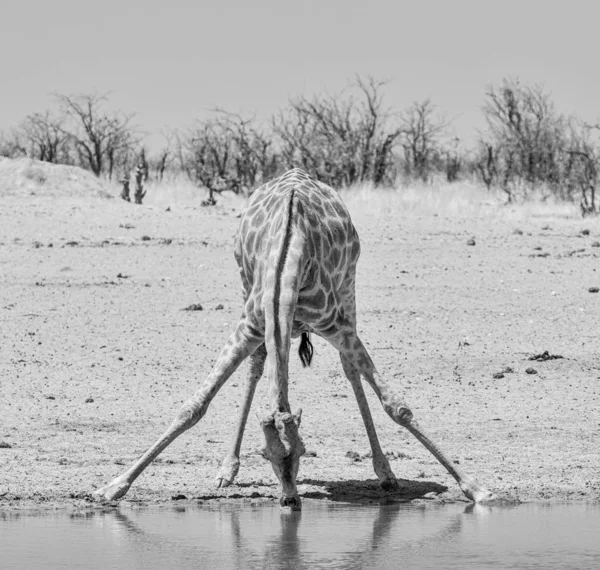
{"type": "Point", "coordinates": [463, 200]}
{"type": "Point", "coordinates": [458, 200]}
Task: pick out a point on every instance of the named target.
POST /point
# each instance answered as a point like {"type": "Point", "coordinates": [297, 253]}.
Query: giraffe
{"type": "Point", "coordinates": [297, 251]}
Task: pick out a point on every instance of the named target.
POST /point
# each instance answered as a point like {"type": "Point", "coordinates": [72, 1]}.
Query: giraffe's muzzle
{"type": "Point", "coordinates": [293, 503]}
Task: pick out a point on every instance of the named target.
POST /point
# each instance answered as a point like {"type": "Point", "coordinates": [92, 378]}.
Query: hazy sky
{"type": "Point", "coordinates": [171, 61]}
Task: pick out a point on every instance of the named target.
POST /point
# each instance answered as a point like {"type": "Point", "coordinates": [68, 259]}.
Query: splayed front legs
{"type": "Point", "coordinates": [240, 344]}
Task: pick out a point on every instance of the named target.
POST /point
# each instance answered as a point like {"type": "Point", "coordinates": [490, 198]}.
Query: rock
{"type": "Point", "coordinates": [471, 241]}
{"type": "Point", "coordinates": [544, 356]}
{"type": "Point", "coordinates": [530, 371]}
{"type": "Point", "coordinates": [194, 307]}
{"type": "Point", "coordinates": [593, 289]}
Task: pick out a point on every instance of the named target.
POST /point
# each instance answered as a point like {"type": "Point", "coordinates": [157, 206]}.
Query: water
{"type": "Point", "coordinates": [323, 535]}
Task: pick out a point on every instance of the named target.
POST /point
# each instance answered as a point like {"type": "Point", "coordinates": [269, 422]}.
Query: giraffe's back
{"type": "Point", "coordinates": [324, 243]}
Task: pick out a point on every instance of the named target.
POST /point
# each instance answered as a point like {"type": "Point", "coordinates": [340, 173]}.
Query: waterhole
{"type": "Point", "coordinates": [323, 535]}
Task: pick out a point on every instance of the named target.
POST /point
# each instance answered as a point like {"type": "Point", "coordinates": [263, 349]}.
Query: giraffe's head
{"type": "Point", "coordinates": [283, 448]}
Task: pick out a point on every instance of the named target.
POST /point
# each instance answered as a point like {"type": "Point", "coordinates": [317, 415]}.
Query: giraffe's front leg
{"type": "Point", "coordinates": [381, 465]}
{"type": "Point", "coordinates": [240, 344]}
{"type": "Point", "coordinates": [348, 343]}
{"type": "Point", "coordinates": [231, 462]}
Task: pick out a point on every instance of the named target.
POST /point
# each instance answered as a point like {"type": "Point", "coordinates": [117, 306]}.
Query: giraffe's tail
{"type": "Point", "coordinates": [305, 350]}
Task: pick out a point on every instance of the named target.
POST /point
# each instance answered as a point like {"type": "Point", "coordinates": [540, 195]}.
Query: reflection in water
{"type": "Point", "coordinates": [278, 541]}
{"type": "Point", "coordinates": [322, 535]}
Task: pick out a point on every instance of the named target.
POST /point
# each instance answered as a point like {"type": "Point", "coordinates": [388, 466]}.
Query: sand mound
{"type": "Point", "coordinates": [26, 177]}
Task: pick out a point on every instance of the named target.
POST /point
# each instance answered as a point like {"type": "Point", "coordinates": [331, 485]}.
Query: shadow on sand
{"type": "Point", "coordinates": [369, 491]}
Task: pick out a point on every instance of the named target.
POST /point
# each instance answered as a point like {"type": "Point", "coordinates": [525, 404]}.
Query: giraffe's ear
{"type": "Point", "coordinates": [297, 415]}
{"type": "Point", "coordinates": [267, 423]}
{"type": "Point", "coordinates": [265, 418]}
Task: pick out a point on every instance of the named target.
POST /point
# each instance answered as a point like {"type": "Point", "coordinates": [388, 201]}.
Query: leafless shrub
{"type": "Point", "coordinates": [526, 138]}
{"type": "Point", "coordinates": [226, 152]}
{"type": "Point", "coordinates": [530, 146]}
{"type": "Point", "coordinates": [340, 139]}
{"type": "Point", "coordinates": [421, 141]}
{"type": "Point", "coordinates": [164, 159]}
{"type": "Point", "coordinates": [11, 145]}
{"type": "Point", "coordinates": [102, 139]}
{"type": "Point", "coordinates": [44, 138]}
{"type": "Point", "coordinates": [582, 168]}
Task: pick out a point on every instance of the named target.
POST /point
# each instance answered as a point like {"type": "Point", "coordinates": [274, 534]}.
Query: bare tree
{"type": "Point", "coordinates": [44, 137]}
{"type": "Point", "coordinates": [583, 167]}
{"type": "Point", "coordinates": [226, 152]}
{"type": "Point", "coordinates": [340, 139]}
{"type": "Point", "coordinates": [254, 159]}
{"type": "Point", "coordinates": [101, 138]}
{"type": "Point", "coordinates": [527, 136]}
{"type": "Point", "coordinates": [12, 145]}
{"type": "Point", "coordinates": [486, 163]}
{"type": "Point", "coordinates": [209, 150]}
{"type": "Point", "coordinates": [421, 138]}
{"type": "Point", "coordinates": [453, 160]}
{"type": "Point", "coordinates": [164, 159]}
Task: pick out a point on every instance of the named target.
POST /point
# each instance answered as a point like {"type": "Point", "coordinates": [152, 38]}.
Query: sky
{"type": "Point", "coordinates": [170, 62]}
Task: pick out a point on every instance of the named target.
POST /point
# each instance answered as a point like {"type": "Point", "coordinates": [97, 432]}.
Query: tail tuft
{"type": "Point", "coordinates": [305, 350]}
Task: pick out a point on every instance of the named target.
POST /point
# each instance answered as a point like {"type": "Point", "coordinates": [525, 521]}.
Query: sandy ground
{"type": "Point", "coordinates": [96, 353]}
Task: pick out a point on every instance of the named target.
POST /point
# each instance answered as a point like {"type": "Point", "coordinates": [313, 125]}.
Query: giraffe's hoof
{"type": "Point", "coordinates": [228, 471]}
{"type": "Point", "coordinates": [390, 485]}
{"type": "Point", "coordinates": [477, 493]}
{"type": "Point", "coordinates": [113, 491]}
{"type": "Point", "coordinates": [222, 482]}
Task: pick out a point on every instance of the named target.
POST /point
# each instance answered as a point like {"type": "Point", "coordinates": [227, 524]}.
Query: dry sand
{"type": "Point", "coordinates": [97, 354]}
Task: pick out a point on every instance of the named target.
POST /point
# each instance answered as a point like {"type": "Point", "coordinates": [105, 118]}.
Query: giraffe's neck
{"type": "Point", "coordinates": [284, 274]}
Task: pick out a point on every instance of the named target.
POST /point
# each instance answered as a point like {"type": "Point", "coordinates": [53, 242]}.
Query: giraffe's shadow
{"type": "Point", "coordinates": [361, 491]}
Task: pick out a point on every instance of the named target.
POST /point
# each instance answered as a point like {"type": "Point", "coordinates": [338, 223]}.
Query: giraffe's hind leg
{"type": "Point", "coordinates": [343, 337]}
{"type": "Point", "coordinates": [240, 344]}
{"type": "Point", "coordinates": [231, 462]}
{"type": "Point", "coordinates": [381, 465]}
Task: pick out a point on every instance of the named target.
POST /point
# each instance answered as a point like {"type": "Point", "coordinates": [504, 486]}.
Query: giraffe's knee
{"type": "Point", "coordinates": [190, 413]}
{"type": "Point", "coordinates": [398, 411]}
